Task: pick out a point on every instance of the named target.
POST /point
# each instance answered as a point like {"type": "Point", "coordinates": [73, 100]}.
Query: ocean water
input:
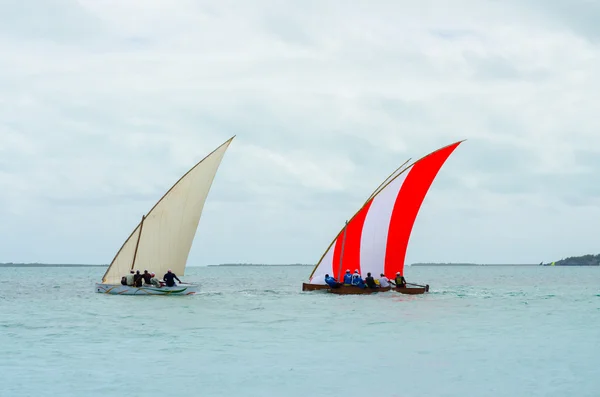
{"type": "Point", "coordinates": [496, 331]}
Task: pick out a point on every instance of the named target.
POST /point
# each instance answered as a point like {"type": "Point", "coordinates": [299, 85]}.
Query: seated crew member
{"type": "Point", "coordinates": [400, 281]}
{"type": "Point", "coordinates": [384, 281]}
{"type": "Point", "coordinates": [130, 277]}
{"type": "Point", "coordinates": [137, 279]}
{"type": "Point", "coordinates": [370, 281]}
{"type": "Point", "coordinates": [146, 276]}
{"type": "Point", "coordinates": [357, 279]}
{"type": "Point", "coordinates": [154, 281]}
{"type": "Point", "coordinates": [332, 282]}
{"type": "Point", "coordinates": [348, 278]}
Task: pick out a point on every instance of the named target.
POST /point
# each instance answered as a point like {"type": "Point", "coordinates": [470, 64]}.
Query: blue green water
{"type": "Point", "coordinates": [528, 331]}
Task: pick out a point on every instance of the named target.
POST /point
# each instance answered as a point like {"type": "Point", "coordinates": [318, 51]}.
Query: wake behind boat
{"type": "Point", "coordinates": [161, 242]}
{"type": "Point", "coordinates": [375, 240]}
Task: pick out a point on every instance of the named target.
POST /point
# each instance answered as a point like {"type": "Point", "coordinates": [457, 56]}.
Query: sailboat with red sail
{"type": "Point", "coordinates": [376, 238]}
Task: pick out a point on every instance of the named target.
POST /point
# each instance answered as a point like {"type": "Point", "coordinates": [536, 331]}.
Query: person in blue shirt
{"type": "Point", "coordinates": [332, 282]}
{"type": "Point", "coordinates": [357, 279]}
{"type": "Point", "coordinates": [348, 278]}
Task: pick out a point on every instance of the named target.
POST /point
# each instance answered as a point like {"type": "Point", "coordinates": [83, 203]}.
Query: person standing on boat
{"type": "Point", "coordinates": [384, 282]}
{"type": "Point", "coordinates": [370, 281]}
{"type": "Point", "coordinates": [170, 278]}
{"type": "Point", "coordinates": [130, 277]}
{"type": "Point", "coordinates": [332, 282]}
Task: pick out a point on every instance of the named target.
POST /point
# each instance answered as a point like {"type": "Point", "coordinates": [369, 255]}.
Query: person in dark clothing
{"type": "Point", "coordinates": [137, 279]}
{"type": "Point", "coordinates": [169, 278]}
{"type": "Point", "coordinates": [147, 277]}
{"type": "Point", "coordinates": [400, 281]}
{"type": "Point", "coordinates": [370, 281]}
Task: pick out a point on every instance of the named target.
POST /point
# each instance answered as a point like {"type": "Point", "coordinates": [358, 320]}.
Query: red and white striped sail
{"type": "Point", "coordinates": [376, 239]}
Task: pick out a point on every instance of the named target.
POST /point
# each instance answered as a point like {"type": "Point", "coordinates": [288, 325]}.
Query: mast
{"type": "Point", "coordinates": [383, 184]}
{"type": "Point", "coordinates": [137, 244]}
{"type": "Point", "coordinates": [342, 254]}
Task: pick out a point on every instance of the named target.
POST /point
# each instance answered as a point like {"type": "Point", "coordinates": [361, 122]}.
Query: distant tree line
{"type": "Point", "coordinates": [584, 260]}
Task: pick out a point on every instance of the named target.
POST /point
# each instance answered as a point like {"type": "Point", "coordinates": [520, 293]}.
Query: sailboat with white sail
{"type": "Point", "coordinates": [375, 239]}
{"type": "Point", "coordinates": [162, 240]}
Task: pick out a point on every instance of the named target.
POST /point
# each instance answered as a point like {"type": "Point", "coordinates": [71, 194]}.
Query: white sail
{"type": "Point", "coordinates": [163, 239]}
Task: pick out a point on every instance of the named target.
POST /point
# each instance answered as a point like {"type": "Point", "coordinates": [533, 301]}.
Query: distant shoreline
{"type": "Point", "coordinates": [256, 265]}
{"type": "Point", "coordinates": [471, 264]}
{"type": "Point", "coordinates": [583, 260]}
{"type": "Point", "coordinates": [46, 265]}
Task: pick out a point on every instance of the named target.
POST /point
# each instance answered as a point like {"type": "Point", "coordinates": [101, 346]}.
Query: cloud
{"type": "Point", "coordinates": [103, 105]}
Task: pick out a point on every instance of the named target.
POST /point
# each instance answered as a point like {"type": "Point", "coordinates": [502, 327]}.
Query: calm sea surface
{"type": "Point", "coordinates": [498, 331]}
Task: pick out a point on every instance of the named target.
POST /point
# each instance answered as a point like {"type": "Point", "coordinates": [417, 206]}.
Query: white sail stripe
{"type": "Point", "coordinates": [373, 243]}
{"type": "Point", "coordinates": [325, 267]}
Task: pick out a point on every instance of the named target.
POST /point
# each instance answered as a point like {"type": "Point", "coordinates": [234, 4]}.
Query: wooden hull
{"type": "Point", "coordinates": [412, 290]}
{"type": "Point", "coordinates": [314, 287]}
{"type": "Point", "coordinates": [118, 289]}
{"type": "Point", "coordinates": [353, 290]}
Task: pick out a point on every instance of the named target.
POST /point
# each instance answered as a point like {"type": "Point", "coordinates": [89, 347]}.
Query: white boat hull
{"type": "Point", "coordinates": [118, 289]}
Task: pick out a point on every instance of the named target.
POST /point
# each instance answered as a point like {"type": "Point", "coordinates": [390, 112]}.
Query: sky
{"type": "Point", "coordinates": [104, 104]}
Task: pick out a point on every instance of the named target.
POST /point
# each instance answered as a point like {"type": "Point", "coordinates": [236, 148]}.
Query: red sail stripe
{"type": "Point", "coordinates": [351, 258]}
{"type": "Point", "coordinates": [407, 205]}
{"type": "Point", "coordinates": [337, 253]}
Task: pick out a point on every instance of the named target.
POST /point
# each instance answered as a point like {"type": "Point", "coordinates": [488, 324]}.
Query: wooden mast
{"type": "Point", "coordinates": [342, 254]}
{"type": "Point", "coordinates": [137, 244]}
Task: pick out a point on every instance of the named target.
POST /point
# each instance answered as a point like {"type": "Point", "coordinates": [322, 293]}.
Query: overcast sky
{"type": "Point", "coordinates": [104, 104]}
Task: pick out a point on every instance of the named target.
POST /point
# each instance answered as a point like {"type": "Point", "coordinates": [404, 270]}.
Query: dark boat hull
{"type": "Point", "coordinates": [352, 290]}
{"type": "Point", "coordinates": [412, 290]}
{"type": "Point", "coordinates": [314, 287]}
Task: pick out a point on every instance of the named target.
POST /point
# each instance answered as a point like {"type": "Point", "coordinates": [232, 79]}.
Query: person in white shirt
{"type": "Point", "coordinates": [384, 281]}
{"type": "Point", "coordinates": [130, 277]}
